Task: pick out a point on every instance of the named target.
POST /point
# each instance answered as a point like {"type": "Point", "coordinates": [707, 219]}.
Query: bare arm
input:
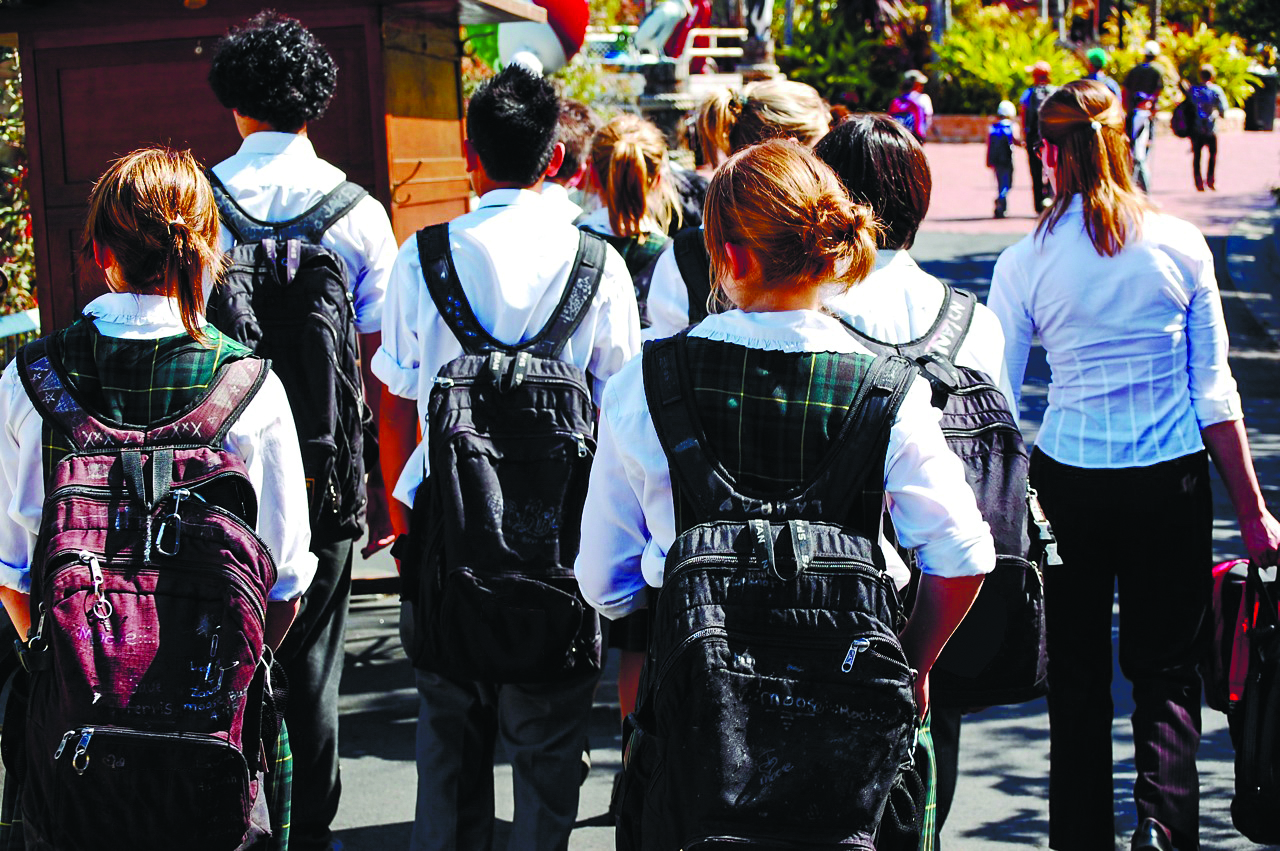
{"type": "Point", "coordinates": [941, 603]}
{"type": "Point", "coordinates": [1229, 447]}
{"type": "Point", "coordinates": [397, 438]}
{"type": "Point", "coordinates": [280, 615]}
{"type": "Point", "coordinates": [18, 605]}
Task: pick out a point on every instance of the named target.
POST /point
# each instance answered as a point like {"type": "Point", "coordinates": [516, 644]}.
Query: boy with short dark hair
{"type": "Point", "coordinates": [512, 257]}
{"type": "Point", "coordinates": [276, 79]}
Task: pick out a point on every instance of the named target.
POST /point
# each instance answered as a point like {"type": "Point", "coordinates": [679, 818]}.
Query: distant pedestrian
{"type": "Point", "coordinates": [1097, 59]}
{"type": "Point", "coordinates": [1142, 88]}
{"type": "Point", "coordinates": [1001, 139]}
{"type": "Point", "coordinates": [913, 108]}
{"type": "Point", "coordinates": [1209, 101]}
{"type": "Point", "coordinates": [1029, 104]}
{"type": "Point", "coordinates": [1126, 304]}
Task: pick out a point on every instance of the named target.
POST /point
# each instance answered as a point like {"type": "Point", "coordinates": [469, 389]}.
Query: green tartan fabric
{"type": "Point", "coordinates": [136, 381]}
{"type": "Point", "coordinates": [279, 790]}
{"type": "Point", "coordinates": [770, 417]}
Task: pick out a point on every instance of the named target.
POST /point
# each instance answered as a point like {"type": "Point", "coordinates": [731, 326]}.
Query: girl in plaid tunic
{"type": "Point", "coordinates": [783, 236]}
{"type": "Point", "coordinates": [140, 354]}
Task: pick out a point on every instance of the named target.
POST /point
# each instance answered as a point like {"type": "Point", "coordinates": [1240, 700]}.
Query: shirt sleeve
{"type": "Point", "coordinates": [21, 482]}
{"type": "Point", "coordinates": [266, 439]}
{"type": "Point", "coordinates": [398, 359]}
{"type": "Point", "coordinates": [933, 508]}
{"type": "Point", "coordinates": [366, 242]}
{"type": "Point", "coordinates": [615, 534]}
{"type": "Point", "coordinates": [1007, 302]}
{"type": "Point", "coordinates": [668, 297]}
{"type": "Point", "coordinates": [1213, 389]}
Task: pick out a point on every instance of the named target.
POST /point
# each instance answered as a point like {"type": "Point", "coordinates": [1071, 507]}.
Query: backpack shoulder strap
{"type": "Point", "coordinates": [579, 292]}
{"type": "Point", "coordinates": [943, 338]}
{"type": "Point", "coordinates": [309, 226]}
{"type": "Point", "coordinates": [232, 389]}
{"type": "Point", "coordinates": [695, 268]}
{"type": "Point", "coordinates": [441, 278]}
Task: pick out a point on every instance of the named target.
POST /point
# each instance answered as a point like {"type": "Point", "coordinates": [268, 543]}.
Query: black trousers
{"type": "Point", "coordinates": [1039, 186]}
{"type": "Point", "coordinates": [1149, 531]}
{"type": "Point", "coordinates": [1199, 143]}
{"type": "Point", "coordinates": [312, 655]}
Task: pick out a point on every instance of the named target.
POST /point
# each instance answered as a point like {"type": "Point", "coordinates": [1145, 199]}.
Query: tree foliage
{"type": "Point", "coordinates": [17, 254]}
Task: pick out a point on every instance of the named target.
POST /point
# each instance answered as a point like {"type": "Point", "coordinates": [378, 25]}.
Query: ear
{"type": "Point", "coordinates": [557, 159]}
{"type": "Point", "coordinates": [740, 260]}
{"type": "Point", "coordinates": [473, 159]}
{"type": "Point", "coordinates": [103, 257]}
{"type": "Point", "coordinates": [581, 179]}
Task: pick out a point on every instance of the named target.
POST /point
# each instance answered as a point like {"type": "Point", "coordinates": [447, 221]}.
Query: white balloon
{"type": "Point", "coordinates": [532, 45]}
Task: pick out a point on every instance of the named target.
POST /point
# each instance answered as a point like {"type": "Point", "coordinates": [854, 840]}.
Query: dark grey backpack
{"type": "Point", "coordinates": [487, 577]}
{"type": "Point", "coordinates": [775, 705]}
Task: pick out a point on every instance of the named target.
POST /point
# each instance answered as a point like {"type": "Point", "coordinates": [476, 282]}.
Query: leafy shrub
{"type": "Point", "coordinates": [985, 56]}
{"type": "Point", "coordinates": [17, 254]}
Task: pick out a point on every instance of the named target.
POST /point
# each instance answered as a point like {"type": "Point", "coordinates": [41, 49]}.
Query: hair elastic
{"type": "Point", "coordinates": [1097, 128]}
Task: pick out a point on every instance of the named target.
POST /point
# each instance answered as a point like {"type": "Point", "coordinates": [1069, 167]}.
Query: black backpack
{"type": "Point", "coordinates": [775, 706]}
{"type": "Point", "coordinates": [285, 297]}
{"type": "Point", "coordinates": [487, 577]}
{"type": "Point", "coordinates": [998, 654]}
{"type": "Point", "coordinates": [694, 263]}
{"type": "Point", "coordinates": [1255, 719]}
{"type": "Point", "coordinates": [1038, 95]}
{"type": "Point", "coordinates": [640, 258]}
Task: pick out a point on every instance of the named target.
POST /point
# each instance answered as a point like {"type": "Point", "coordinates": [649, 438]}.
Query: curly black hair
{"type": "Point", "coordinates": [511, 124]}
{"type": "Point", "coordinates": [272, 68]}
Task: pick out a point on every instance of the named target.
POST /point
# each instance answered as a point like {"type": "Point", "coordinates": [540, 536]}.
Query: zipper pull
{"type": "Point", "coordinates": [80, 761]}
{"type": "Point", "coordinates": [101, 607]}
{"type": "Point", "coordinates": [62, 746]}
{"type": "Point", "coordinates": [858, 645]}
{"type": "Point", "coordinates": [442, 382]}
{"type": "Point", "coordinates": [583, 451]}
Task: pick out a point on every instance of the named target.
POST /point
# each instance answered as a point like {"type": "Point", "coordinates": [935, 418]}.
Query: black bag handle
{"type": "Point", "coordinates": [309, 226]}
{"type": "Point", "coordinates": [943, 338]}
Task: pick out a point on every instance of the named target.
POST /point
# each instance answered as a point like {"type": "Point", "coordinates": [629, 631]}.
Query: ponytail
{"type": "Point", "coordinates": [154, 210]}
{"type": "Point", "coordinates": [629, 158]}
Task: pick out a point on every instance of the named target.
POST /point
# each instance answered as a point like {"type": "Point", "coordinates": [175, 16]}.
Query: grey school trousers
{"type": "Point", "coordinates": [541, 727]}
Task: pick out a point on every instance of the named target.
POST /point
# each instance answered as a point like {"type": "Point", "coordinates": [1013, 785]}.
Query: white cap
{"type": "Point", "coordinates": [1006, 109]}
{"type": "Point", "coordinates": [1151, 48]}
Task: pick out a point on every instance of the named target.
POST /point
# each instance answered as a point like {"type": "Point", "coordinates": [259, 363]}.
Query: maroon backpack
{"type": "Point", "coordinates": [148, 594]}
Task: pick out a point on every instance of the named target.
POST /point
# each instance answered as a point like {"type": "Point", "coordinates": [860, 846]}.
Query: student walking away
{"type": "Point", "coordinates": [499, 333]}
{"type": "Point", "coordinates": [154, 549]}
{"type": "Point", "coordinates": [746, 462]}
{"type": "Point", "coordinates": [1097, 59]}
{"type": "Point", "coordinates": [1001, 139]}
{"type": "Point", "coordinates": [575, 130]}
{"type": "Point", "coordinates": [913, 108]}
{"type": "Point", "coordinates": [680, 290]}
{"type": "Point", "coordinates": [305, 288]}
{"type": "Point", "coordinates": [1208, 101]}
{"type": "Point", "coordinates": [629, 172]}
{"type": "Point", "coordinates": [1149, 326]}
{"type": "Point", "coordinates": [1029, 111]}
{"type": "Point", "coordinates": [1142, 87]}
{"type": "Point", "coordinates": [901, 308]}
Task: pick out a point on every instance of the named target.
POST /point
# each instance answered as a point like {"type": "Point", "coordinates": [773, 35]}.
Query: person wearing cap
{"type": "Point", "coordinates": [1001, 139]}
{"type": "Point", "coordinates": [913, 108]}
{"type": "Point", "coordinates": [1029, 106]}
{"type": "Point", "coordinates": [1142, 87]}
{"type": "Point", "coordinates": [1097, 59]}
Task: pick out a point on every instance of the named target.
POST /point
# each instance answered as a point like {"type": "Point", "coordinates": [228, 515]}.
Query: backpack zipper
{"type": "Point", "coordinates": [584, 443]}
{"type": "Point", "coordinates": [80, 757]}
{"type": "Point", "coordinates": [444, 382]}
{"type": "Point", "coordinates": [979, 431]}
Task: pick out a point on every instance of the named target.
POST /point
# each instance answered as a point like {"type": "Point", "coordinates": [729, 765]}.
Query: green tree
{"type": "Point", "coordinates": [17, 254]}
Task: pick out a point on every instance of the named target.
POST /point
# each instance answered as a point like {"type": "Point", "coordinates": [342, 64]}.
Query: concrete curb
{"type": "Point", "coordinates": [1253, 264]}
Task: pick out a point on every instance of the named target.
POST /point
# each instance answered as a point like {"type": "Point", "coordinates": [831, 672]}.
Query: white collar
{"type": "Point", "coordinates": [893, 258]}
{"type": "Point", "coordinates": [269, 142]}
{"type": "Point", "coordinates": [138, 310]}
{"type": "Point", "coordinates": [551, 189]}
{"type": "Point", "coordinates": [509, 198]}
{"type": "Point", "coordinates": [783, 331]}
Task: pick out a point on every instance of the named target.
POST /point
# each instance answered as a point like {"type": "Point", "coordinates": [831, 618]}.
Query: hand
{"type": "Point", "coordinates": [1261, 539]}
{"type": "Point", "coordinates": [921, 689]}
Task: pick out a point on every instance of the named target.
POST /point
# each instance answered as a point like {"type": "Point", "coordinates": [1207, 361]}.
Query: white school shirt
{"type": "Point", "coordinates": [264, 437]}
{"type": "Point", "coordinates": [513, 257]}
{"type": "Point", "coordinates": [628, 524]}
{"type": "Point", "coordinates": [668, 302]}
{"type": "Point", "coordinates": [899, 302]}
{"type": "Point", "coordinates": [277, 176]}
{"type": "Point", "coordinates": [1136, 343]}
